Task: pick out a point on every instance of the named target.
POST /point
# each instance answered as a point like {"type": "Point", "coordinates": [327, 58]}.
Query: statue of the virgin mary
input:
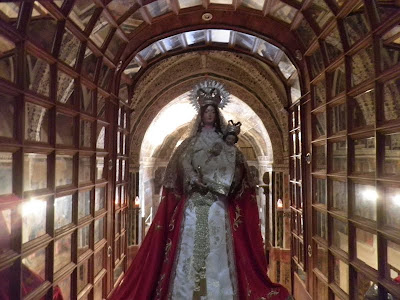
{"type": "Point", "coordinates": [205, 240]}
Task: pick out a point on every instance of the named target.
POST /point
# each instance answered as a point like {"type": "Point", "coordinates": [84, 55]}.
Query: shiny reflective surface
{"type": "Point", "coordinates": [37, 75]}
{"type": "Point", "coordinates": [62, 253]}
{"type": "Point", "coordinates": [85, 169]}
{"type": "Point", "coordinates": [65, 129]}
{"type": "Point", "coordinates": [338, 157]}
{"type": "Point", "coordinates": [339, 195]}
{"type": "Point", "coordinates": [341, 274]}
{"type": "Point", "coordinates": [83, 240]}
{"type": "Point", "coordinates": [365, 201]}
{"type": "Point", "coordinates": [6, 172]}
{"type": "Point", "coordinates": [34, 263]}
{"type": "Point", "coordinates": [64, 169]}
{"type": "Point", "coordinates": [340, 235]}
{"type": "Point", "coordinates": [62, 211]}
{"type": "Point", "coordinates": [37, 120]}
{"type": "Point", "coordinates": [367, 248]}
{"type": "Point", "coordinates": [35, 171]}
{"type": "Point", "coordinates": [364, 156]}
{"type": "Point", "coordinates": [364, 109]}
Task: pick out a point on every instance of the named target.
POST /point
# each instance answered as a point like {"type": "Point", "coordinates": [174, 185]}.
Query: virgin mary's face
{"type": "Point", "coordinates": [209, 116]}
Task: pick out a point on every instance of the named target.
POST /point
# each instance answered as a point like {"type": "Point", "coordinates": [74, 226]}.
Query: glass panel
{"type": "Point", "coordinates": [392, 206]}
{"type": "Point", "coordinates": [85, 169]}
{"type": "Point", "coordinates": [98, 230]}
{"type": "Point", "coordinates": [100, 198]}
{"type": "Point", "coordinates": [44, 39]}
{"type": "Point", "coordinates": [65, 129]}
{"type": "Point", "coordinates": [86, 133]}
{"type": "Point", "coordinates": [34, 271]}
{"type": "Point", "coordinates": [338, 80]}
{"type": "Point", "coordinates": [338, 157]}
{"type": "Point", "coordinates": [123, 92]}
{"type": "Point", "coordinates": [100, 31]}
{"type": "Point", "coordinates": [283, 11]}
{"type": "Point", "coordinates": [98, 261]}
{"type": "Point", "coordinates": [365, 197]}
{"type": "Point", "coordinates": [65, 88]}
{"type": "Point", "coordinates": [5, 235]}
{"type": "Point", "coordinates": [133, 22]}
{"type": "Point", "coordinates": [295, 92]}
{"type": "Point", "coordinates": [286, 66]}
{"type": "Point", "coordinates": [245, 41]}
{"type": "Point", "coordinates": [119, 7]}
{"type": "Point", "coordinates": [36, 123]}
{"type": "Point", "coordinates": [393, 260]}
{"type": "Point", "coordinates": [64, 168]}
{"type": "Point", "coordinates": [89, 64]}
{"type": "Point", "coordinates": [390, 48]}
{"type": "Point", "coordinates": [356, 26]}
{"type": "Point", "coordinates": [340, 235]}
{"type": "Point", "coordinates": [321, 290]}
{"type": "Point", "coordinates": [9, 12]}
{"type": "Point", "coordinates": [255, 4]}
{"type": "Point", "coordinates": [65, 287]}
{"type": "Point", "coordinates": [120, 268]}
{"type": "Point", "coordinates": [391, 100]}
{"type": "Point", "coordinates": [133, 68]}
{"type": "Point", "coordinates": [150, 52]}
{"type": "Point", "coordinates": [98, 290]}
{"type": "Point", "coordinates": [158, 8]}
{"type": "Point", "coordinates": [320, 12]}
{"type": "Point", "coordinates": [268, 50]}
{"type": "Point", "coordinates": [366, 288]}
{"type": "Point", "coordinates": [319, 125]}
{"type": "Point", "coordinates": [322, 260]}
{"type": "Point", "coordinates": [364, 156]}
{"type": "Point", "coordinates": [319, 158]}
{"type": "Point", "coordinates": [321, 225]}
{"type": "Point", "coordinates": [172, 43]}
{"type": "Point", "coordinates": [105, 78]}
{"type": "Point", "coordinates": [319, 95]}
{"type": "Point", "coordinates": [367, 248]}
{"type": "Point", "coordinates": [62, 253]}
{"type": "Point", "coordinates": [86, 99]}
{"type": "Point", "coordinates": [37, 75]}
{"type": "Point", "coordinates": [84, 204]}
{"type": "Point", "coordinates": [7, 115]}
{"type": "Point", "coordinates": [83, 275]}
{"type": "Point", "coordinates": [337, 118]}
{"type": "Point", "coordinates": [100, 174]}
{"type": "Point", "coordinates": [123, 170]}
{"type": "Point", "coordinates": [83, 240]}
{"type": "Point", "coordinates": [364, 109]}
{"type": "Point", "coordinates": [317, 63]}
{"type": "Point", "coordinates": [101, 106]}
{"type": "Point", "coordinates": [69, 48]}
{"type": "Point", "coordinates": [100, 137]}
{"type": "Point", "coordinates": [333, 45]}
{"type": "Point", "coordinates": [195, 37]}
{"type": "Point", "coordinates": [35, 171]}
{"type": "Point", "coordinates": [307, 34]}
{"type": "Point", "coordinates": [6, 173]}
{"type": "Point", "coordinates": [220, 35]}
{"type": "Point", "coordinates": [362, 66]}
{"type": "Point", "coordinates": [189, 3]}
{"type": "Point", "coordinates": [341, 274]}
{"type": "Point", "coordinates": [320, 191]}
{"type": "Point", "coordinates": [116, 45]}
{"type": "Point", "coordinates": [339, 195]}
{"type": "Point", "coordinates": [62, 211]}
{"type": "Point", "coordinates": [82, 12]}
{"type": "Point", "coordinates": [7, 58]}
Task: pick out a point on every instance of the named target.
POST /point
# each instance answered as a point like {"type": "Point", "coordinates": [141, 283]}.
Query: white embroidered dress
{"type": "Point", "coordinates": [204, 266]}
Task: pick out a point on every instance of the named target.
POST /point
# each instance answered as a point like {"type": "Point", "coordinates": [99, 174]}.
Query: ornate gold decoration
{"type": "Point", "coordinates": [237, 221]}
{"type": "Point", "coordinates": [272, 293]}
{"type": "Point", "coordinates": [158, 227]}
{"type": "Point", "coordinates": [167, 249]}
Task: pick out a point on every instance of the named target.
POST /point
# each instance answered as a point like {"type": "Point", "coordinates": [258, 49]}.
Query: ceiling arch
{"type": "Point", "coordinates": [243, 77]}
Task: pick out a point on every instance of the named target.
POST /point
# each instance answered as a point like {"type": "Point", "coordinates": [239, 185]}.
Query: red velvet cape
{"type": "Point", "coordinates": [149, 275]}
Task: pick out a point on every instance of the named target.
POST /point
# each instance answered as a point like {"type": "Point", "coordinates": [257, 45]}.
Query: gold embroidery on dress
{"type": "Point", "coordinates": [237, 221]}
{"type": "Point", "coordinates": [167, 249]}
{"type": "Point", "coordinates": [272, 293]}
{"type": "Point", "coordinates": [159, 288]}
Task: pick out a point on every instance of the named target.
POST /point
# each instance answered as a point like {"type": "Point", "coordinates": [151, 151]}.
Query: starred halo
{"type": "Point", "coordinates": [209, 92]}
